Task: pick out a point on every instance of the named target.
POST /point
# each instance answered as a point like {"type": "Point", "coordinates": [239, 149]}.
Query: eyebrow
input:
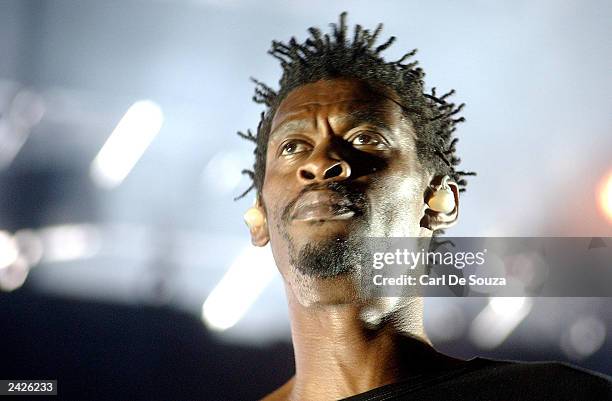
{"type": "Point", "coordinates": [356, 117]}
{"type": "Point", "coordinates": [289, 125]}
{"type": "Point", "coordinates": [369, 116]}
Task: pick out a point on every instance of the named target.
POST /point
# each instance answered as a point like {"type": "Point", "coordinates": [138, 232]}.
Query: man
{"type": "Point", "coordinates": [351, 147]}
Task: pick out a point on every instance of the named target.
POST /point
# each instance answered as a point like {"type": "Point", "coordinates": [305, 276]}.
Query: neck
{"type": "Point", "coordinates": [337, 355]}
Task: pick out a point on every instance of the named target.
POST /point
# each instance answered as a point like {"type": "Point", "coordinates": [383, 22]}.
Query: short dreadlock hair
{"type": "Point", "coordinates": [323, 56]}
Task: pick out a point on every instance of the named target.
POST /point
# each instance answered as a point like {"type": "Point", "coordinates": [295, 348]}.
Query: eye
{"type": "Point", "coordinates": [292, 147]}
{"type": "Point", "coordinates": [369, 140]}
{"type": "Point", "coordinates": [365, 139]}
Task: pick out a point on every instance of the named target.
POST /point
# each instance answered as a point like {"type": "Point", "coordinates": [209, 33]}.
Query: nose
{"type": "Point", "coordinates": [324, 165]}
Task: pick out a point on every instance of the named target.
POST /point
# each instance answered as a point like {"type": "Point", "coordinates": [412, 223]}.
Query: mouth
{"type": "Point", "coordinates": [321, 205]}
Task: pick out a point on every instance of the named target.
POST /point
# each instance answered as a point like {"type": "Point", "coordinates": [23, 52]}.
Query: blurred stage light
{"type": "Point", "coordinates": [30, 246]}
{"type": "Point", "coordinates": [223, 172]}
{"type": "Point", "coordinates": [504, 306]}
{"type": "Point", "coordinates": [24, 112]}
{"type": "Point", "coordinates": [239, 288]}
{"type": "Point", "coordinates": [584, 337]}
{"type": "Point", "coordinates": [69, 242]}
{"type": "Point", "coordinates": [445, 320]}
{"type": "Point", "coordinates": [498, 320]}
{"type": "Point", "coordinates": [605, 196]}
{"type": "Point", "coordinates": [13, 268]}
{"type": "Point", "coordinates": [27, 109]}
{"type": "Point", "coordinates": [14, 275]}
{"type": "Point", "coordinates": [126, 144]}
{"type": "Point", "coordinates": [8, 250]}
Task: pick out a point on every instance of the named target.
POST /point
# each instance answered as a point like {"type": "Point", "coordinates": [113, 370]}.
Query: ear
{"type": "Point", "coordinates": [437, 216]}
{"type": "Point", "coordinates": [255, 218]}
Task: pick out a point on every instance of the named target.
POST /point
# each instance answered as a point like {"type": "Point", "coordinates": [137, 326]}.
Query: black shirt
{"type": "Point", "coordinates": [484, 379]}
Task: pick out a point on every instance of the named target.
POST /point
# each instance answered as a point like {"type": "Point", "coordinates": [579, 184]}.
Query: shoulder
{"type": "Point", "coordinates": [538, 369]}
{"type": "Point", "coordinates": [536, 380]}
{"type": "Point", "coordinates": [485, 379]}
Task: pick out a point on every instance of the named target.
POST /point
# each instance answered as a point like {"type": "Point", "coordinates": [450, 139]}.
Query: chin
{"type": "Point", "coordinates": [315, 291]}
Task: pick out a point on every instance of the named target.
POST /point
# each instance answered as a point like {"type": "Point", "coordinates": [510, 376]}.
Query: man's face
{"type": "Point", "coordinates": [341, 166]}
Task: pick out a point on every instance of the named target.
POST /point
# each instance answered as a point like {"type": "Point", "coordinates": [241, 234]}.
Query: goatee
{"type": "Point", "coordinates": [328, 259]}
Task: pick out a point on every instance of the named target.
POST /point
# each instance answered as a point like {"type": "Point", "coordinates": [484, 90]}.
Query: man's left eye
{"type": "Point", "coordinates": [367, 139]}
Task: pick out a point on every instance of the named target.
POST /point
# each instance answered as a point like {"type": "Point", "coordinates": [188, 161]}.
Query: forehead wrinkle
{"type": "Point", "coordinates": [353, 111]}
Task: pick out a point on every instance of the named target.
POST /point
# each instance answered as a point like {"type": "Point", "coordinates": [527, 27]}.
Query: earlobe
{"type": "Point", "coordinates": [442, 205]}
{"type": "Point", "coordinates": [255, 219]}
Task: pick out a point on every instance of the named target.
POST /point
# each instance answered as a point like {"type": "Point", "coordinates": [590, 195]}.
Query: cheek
{"type": "Point", "coordinates": [398, 206]}
{"type": "Point", "coordinates": [411, 182]}
{"type": "Point", "coordinates": [276, 198]}
{"type": "Point", "coordinates": [280, 187]}
{"type": "Point", "coordinates": [280, 252]}
{"type": "Point", "coordinates": [411, 189]}
{"type": "Point", "coordinates": [278, 242]}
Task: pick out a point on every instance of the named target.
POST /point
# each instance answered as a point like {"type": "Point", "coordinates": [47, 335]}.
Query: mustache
{"type": "Point", "coordinates": [353, 193]}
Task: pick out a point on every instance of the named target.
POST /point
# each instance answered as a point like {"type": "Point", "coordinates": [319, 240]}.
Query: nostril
{"type": "Point", "coordinates": [333, 171]}
{"type": "Point", "coordinates": [307, 175]}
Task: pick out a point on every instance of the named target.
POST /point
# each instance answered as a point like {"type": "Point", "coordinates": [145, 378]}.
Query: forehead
{"type": "Point", "coordinates": [343, 97]}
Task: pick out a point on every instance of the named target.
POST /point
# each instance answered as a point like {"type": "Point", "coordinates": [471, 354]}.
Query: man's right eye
{"type": "Point", "coordinates": [293, 147]}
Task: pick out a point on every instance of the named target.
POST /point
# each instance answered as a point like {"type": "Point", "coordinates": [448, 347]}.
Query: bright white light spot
{"type": "Point", "coordinates": [13, 276]}
{"type": "Point", "coordinates": [24, 112]}
{"type": "Point", "coordinates": [30, 246]}
{"type": "Point", "coordinates": [498, 320]}
{"type": "Point", "coordinates": [122, 150]}
{"type": "Point", "coordinates": [8, 250]}
{"type": "Point", "coordinates": [506, 305]}
{"type": "Point", "coordinates": [69, 242]}
{"type": "Point", "coordinates": [239, 288]}
{"type": "Point", "coordinates": [605, 197]}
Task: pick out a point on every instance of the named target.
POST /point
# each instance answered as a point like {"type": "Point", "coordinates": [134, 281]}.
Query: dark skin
{"type": "Point", "coordinates": [346, 132]}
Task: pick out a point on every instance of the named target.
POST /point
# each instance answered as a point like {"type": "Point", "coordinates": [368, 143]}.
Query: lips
{"type": "Point", "coordinates": [323, 205]}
